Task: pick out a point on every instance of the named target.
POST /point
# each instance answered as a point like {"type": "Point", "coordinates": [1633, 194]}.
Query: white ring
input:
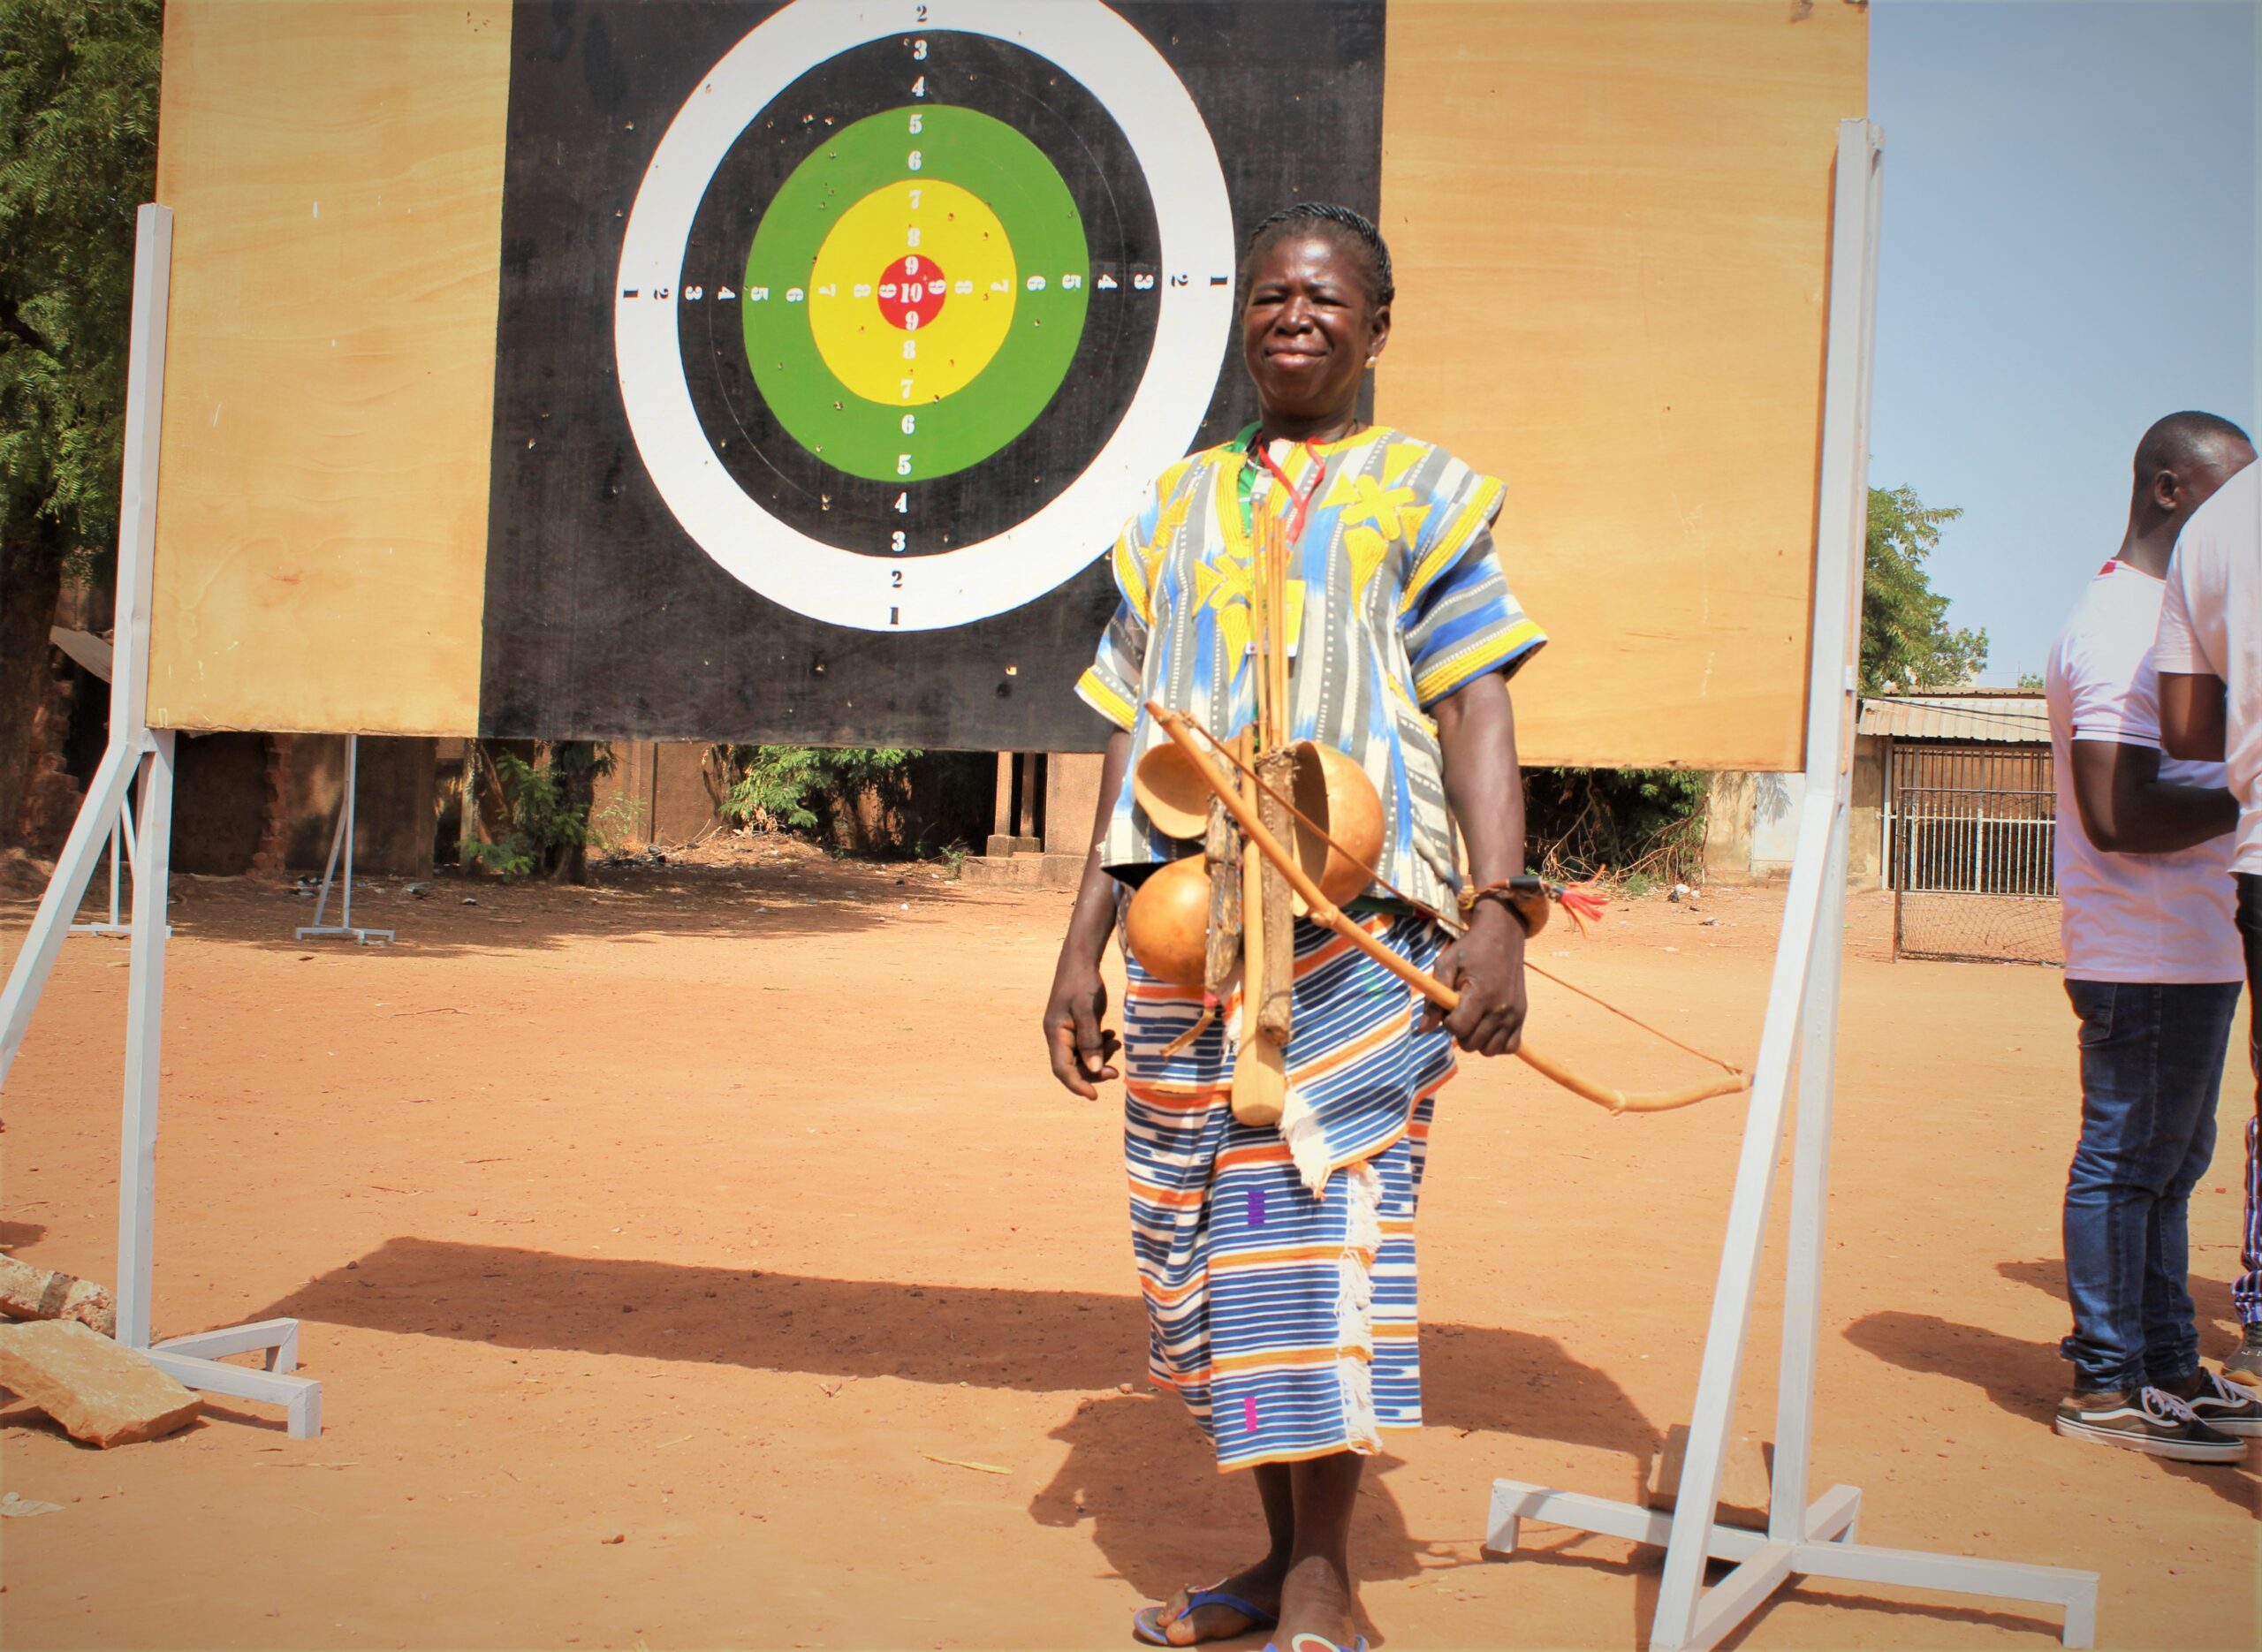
{"type": "Point", "coordinates": [1193, 213]}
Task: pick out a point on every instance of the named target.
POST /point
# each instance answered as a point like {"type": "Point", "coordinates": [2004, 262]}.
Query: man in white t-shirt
{"type": "Point", "coordinates": [2209, 655]}
{"type": "Point", "coordinates": [2154, 969]}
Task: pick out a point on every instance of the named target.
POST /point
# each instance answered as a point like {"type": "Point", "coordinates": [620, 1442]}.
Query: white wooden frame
{"type": "Point", "coordinates": [1801, 1538]}
{"type": "Point", "coordinates": [135, 748]}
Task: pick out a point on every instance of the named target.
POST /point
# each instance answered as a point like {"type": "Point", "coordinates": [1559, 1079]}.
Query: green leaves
{"type": "Point", "coordinates": [1906, 640]}
{"type": "Point", "coordinates": [780, 783]}
{"type": "Point", "coordinates": [545, 806]}
{"type": "Point", "coordinates": [78, 154]}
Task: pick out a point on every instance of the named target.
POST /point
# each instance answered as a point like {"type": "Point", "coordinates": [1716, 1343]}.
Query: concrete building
{"type": "Point", "coordinates": [1951, 792]}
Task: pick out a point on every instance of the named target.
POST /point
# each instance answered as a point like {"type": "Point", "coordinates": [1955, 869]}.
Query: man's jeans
{"type": "Point", "coordinates": [2151, 1074]}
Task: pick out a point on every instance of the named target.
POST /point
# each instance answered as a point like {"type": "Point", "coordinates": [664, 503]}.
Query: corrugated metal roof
{"type": "Point", "coordinates": [1998, 719]}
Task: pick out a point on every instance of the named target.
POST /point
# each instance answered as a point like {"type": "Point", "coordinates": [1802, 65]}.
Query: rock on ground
{"type": "Point", "coordinates": [100, 1392]}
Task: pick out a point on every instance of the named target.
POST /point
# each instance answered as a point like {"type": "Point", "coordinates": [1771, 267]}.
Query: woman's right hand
{"type": "Point", "coordinates": [1080, 1047]}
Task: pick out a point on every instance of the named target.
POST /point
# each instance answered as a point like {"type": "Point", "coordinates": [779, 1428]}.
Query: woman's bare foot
{"type": "Point", "coordinates": [1259, 1585]}
{"type": "Point", "coordinates": [1315, 1600]}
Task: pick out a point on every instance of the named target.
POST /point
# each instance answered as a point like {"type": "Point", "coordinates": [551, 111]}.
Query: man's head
{"type": "Point", "coordinates": [2181, 460]}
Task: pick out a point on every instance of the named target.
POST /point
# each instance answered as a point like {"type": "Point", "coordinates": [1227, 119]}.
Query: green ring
{"type": "Point", "coordinates": [986, 157]}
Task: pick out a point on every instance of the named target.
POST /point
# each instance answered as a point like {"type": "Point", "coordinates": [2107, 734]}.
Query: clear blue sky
{"type": "Point", "coordinates": [2069, 251]}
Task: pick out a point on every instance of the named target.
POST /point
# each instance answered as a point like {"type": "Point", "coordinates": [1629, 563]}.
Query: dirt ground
{"type": "Point", "coordinates": [705, 1258]}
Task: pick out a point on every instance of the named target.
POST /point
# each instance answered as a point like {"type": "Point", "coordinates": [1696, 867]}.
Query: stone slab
{"type": "Point", "coordinates": [1023, 871]}
{"type": "Point", "coordinates": [100, 1392]}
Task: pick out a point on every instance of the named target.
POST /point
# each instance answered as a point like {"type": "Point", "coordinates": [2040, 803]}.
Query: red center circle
{"type": "Point", "coordinates": [911, 291]}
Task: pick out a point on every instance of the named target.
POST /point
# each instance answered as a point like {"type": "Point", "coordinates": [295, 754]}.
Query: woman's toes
{"type": "Point", "coordinates": [1183, 1630]}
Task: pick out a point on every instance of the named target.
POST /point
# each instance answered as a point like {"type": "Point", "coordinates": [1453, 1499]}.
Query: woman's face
{"type": "Point", "coordinates": [1307, 327]}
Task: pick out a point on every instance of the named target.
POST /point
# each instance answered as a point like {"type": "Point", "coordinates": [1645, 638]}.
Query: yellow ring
{"type": "Point", "coordinates": [950, 230]}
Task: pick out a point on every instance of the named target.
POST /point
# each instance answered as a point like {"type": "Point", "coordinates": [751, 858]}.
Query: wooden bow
{"type": "Point", "coordinates": [1181, 730]}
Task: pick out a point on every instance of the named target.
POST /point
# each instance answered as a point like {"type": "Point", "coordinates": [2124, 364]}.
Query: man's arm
{"type": "Point", "coordinates": [2127, 808]}
{"type": "Point", "coordinates": [2192, 717]}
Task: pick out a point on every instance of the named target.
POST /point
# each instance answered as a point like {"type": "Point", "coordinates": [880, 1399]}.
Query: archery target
{"type": "Point", "coordinates": [873, 246]}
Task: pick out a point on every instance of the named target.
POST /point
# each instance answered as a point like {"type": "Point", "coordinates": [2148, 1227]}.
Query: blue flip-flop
{"type": "Point", "coordinates": [1146, 1623]}
{"type": "Point", "coordinates": [1307, 1642]}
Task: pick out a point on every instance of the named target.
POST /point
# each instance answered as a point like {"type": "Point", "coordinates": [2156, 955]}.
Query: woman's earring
{"type": "Point", "coordinates": [1370, 362]}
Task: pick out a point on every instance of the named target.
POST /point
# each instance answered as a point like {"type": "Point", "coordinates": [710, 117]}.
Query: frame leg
{"type": "Point", "coordinates": [144, 1045]}
{"type": "Point", "coordinates": [105, 793]}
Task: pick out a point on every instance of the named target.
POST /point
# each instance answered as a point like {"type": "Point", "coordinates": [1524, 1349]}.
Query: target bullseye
{"type": "Point", "coordinates": [910, 288]}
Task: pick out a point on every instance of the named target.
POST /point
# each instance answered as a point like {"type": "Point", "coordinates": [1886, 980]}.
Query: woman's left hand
{"type": "Point", "coordinates": [1485, 966]}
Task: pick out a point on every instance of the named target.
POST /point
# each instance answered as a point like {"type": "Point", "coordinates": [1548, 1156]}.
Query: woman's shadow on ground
{"type": "Point", "coordinates": [1139, 1471]}
{"type": "Point", "coordinates": [1136, 1468]}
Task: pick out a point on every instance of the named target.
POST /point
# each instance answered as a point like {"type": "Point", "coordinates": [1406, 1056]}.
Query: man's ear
{"type": "Point", "coordinates": [2166, 489]}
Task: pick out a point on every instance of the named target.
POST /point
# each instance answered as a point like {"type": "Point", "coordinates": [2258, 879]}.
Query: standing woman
{"type": "Point", "coordinates": [1277, 1262]}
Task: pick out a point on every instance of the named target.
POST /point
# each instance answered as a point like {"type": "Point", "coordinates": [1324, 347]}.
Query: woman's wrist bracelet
{"type": "Point", "coordinates": [1526, 898]}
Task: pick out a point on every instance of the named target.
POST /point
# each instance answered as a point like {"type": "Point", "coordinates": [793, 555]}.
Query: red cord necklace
{"type": "Point", "coordinates": [1301, 495]}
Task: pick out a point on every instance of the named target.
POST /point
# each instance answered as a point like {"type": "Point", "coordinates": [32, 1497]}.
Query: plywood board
{"type": "Point", "coordinates": [1610, 223]}
{"type": "Point", "coordinates": [336, 171]}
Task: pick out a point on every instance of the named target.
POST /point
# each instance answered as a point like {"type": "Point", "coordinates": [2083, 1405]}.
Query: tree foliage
{"type": "Point", "coordinates": [1906, 640]}
{"type": "Point", "coordinates": [1643, 825]}
{"type": "Point", "coordinates": [545, 811]}
{"type": "Point", "coordinates": [785, 786]}
{"type": "Point", "coordinates": [78, 154]}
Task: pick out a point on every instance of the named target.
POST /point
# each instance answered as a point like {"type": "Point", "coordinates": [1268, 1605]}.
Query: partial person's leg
{"type": "Point", "coordinates": [2246, 1291]}
{"type": "Point", "coordinates": [2245, 1362]}
{"type": "Point", "coordinates": [2109, 1205]}
{"type": "Point", "coordinates": [2194, 1037]}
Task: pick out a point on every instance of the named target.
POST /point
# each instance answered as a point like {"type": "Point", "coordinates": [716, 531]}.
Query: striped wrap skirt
{"type": "Point", "coordinates": [1277, 1262]}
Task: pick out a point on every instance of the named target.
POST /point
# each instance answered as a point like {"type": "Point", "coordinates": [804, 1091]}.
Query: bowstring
{"type": "Point", "coordinates": [1627, 1015]}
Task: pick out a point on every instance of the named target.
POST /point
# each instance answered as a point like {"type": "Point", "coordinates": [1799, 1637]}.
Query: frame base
{"type": "Point", "coordinates": [366, 937]}
{"type": "Point", "coordinates": [1764, 1565]}
{"type": "Point", "coordinates": [194, 1360]}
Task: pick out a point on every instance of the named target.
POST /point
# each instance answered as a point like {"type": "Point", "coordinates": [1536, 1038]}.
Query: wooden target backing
{"type": "Point", "coordinates": [408, 487]}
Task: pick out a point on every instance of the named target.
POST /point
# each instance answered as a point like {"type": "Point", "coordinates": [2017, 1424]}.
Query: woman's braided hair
{"type": "Point", "coordinates": [1353, 231]}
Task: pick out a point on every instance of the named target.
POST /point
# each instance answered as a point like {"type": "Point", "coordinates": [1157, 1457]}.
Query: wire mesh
{"type": "Point", "coordinates": [1979, 928]}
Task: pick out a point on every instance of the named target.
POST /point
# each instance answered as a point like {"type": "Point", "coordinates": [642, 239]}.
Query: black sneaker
{"type": "Point", "coordinates": [2226, 1407]}
{"type": "Point", "coordinates": [2245, 1364]}
{"type": "Point", "coordinates": [2154, 1422]}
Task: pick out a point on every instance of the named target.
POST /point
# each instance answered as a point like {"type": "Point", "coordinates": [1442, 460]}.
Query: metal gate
{"type": "Point", "coordinates": [1970, 833]}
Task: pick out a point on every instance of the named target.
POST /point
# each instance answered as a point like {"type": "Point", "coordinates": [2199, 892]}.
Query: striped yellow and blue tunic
{"type": "Point", "coordinates": [1277, 1262]}
{"type": "Point", "coordinates": [1401, 602]}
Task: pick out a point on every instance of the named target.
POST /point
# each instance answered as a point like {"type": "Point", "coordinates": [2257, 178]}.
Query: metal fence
{"type": "Point", "coordinates": [1969, 836]}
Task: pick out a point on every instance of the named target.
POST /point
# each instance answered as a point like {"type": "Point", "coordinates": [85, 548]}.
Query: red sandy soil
{"type": "Point", "coordinates": [727, 1210]}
